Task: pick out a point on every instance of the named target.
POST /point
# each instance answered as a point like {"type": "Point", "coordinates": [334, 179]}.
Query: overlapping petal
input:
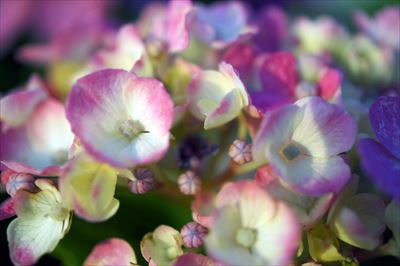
{"type": "Point", "coordinates": [113, 251]}
{"type": "Point", "coordinates": [121, 119]}
{"type": "Point", "coordinates": [88, 188]}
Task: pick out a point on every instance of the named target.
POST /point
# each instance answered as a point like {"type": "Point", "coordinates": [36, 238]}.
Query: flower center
{"type": "Point", "coordinates": [131, 128]}
{"type": "Point", "coordinates": [291, 152]}
{"type": "Point", "coordinates": [246, 237]}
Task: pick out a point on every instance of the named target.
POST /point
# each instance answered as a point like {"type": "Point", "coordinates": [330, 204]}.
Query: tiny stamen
{"type": "Point", "coordinates": [131, 128]}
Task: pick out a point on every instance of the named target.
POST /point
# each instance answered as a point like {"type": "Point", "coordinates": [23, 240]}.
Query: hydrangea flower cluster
{"type": "Point", "coordinates": [280, 136]}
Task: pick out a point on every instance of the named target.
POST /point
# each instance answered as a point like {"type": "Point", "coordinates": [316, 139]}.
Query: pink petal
{"type": "Point", "coordinates": [278, 74]}
{"type": "Point", "coordinates": [113, 251]}
{"type": "Point", "coordinates": [53, 170]}
{"type": "Point", "coordinates": [7, 209]}
{"type": "Point", "coordinates": [191, 259]}
{"type": "Point", "coordinates": [17, 107]}
{"type": "Point", "coordinates": [177, 34]}
{"type": "Point", "coordinates": [329, 84]}
{"type": "Point", "coordinates": [99, 102]}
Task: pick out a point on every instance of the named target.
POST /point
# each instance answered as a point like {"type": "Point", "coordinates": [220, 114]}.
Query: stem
{"type": "Point", "coordinates": [248, 167]}
{"type": "Point", "coordinates": [242, 127]}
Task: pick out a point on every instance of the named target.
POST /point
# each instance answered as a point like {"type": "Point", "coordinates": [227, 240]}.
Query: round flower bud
{"type": "Point", "coordinates": [189, 183]}
{"type": "Point", "coordinates": [18, 181]}
{"type": "Point", "coordinates": [240, 152]}
{"type": "Point", "coordinates": [144, 181]}
{"type": "Point", "coordinates": [193, 234]}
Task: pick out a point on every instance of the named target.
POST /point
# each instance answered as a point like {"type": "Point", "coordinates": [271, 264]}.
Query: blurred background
{"type": "Point", "coordinates": [26, 22]}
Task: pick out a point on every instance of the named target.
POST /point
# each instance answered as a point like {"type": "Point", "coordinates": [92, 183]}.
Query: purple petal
{"type": "Point", "coordinates": [385, 120]}
{"type": "Point", "coordinates": [7, 209]}
{"type": "Point", "coordinates": [272, 29]}
{"type": "Point", "coordinates": [381, 166]}
{"type": "Point", "coordinates": [278, 73]}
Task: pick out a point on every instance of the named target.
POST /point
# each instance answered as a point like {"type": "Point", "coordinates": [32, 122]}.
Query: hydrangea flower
{"type": "Point", "coordinates": [167, 24]}
{"type": "Point", "coordinates": [381, 158]}
{"type": "Point", "coordinates": [319, 36]}
{"type": "Point", "coordinates": [384, 27]}
{"type": "Point", "coordinates": [308, 209]}
{"type": "Point", "coordinates": [88, 188]}
{"type": "Point", "coordinates": [357, 219]}
{"type": "Point", "coordinates": [42, 222]}
{"type": "Point", "coordinates": [126, 51]}
{"type": "Point", "coordinates": [251, 228]}
{"type": "Point", "coordinates": [120, 118]}
{"type": "Point", "coordinates": [272, 29]}
{"type": "Point", "coordinates": [302, 142]}
{"type": "Point", "coordinates": [217, 96]}
{"type": "Point", "coordinates": [112, 251]}
{"type": "Point", "coordinates": [207, 23]}
{"type": "Point", "coordinates": [280, 83]}
{"type": "Point", "coordinates": [162, 246]}
{"type": "Point", "coordinates": [35, 134]}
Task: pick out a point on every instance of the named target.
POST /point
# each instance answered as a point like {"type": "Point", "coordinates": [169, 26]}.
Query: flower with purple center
{"type": "Point", "coordinates": [193, 234]}
{"type": "Point", "coordinates": [302, 142]}
{"type": "Point", "coordinates": [381, 158]}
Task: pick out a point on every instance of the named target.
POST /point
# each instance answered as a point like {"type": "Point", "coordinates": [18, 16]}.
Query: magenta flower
{"type": "Point", "coordinates": [302, 142]}
{"type": "Point", "coordinates": [120, 118]}
{"type": "Point", "coordinates": [381, 158]}
{"type": "Point", "coordinates": [280, 83]}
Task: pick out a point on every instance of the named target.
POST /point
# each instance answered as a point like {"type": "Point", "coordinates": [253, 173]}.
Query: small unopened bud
{"type": "Point", "coordinates": [18, 181]}
{"type": "Point", "coordinates": [240, 152]}
{"type": "Point", "coordinates": [193, 234]}
{"type": "Point", "coordinates": [144, 181]}
{"type": "Point", "coordinates": [189, 183]}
